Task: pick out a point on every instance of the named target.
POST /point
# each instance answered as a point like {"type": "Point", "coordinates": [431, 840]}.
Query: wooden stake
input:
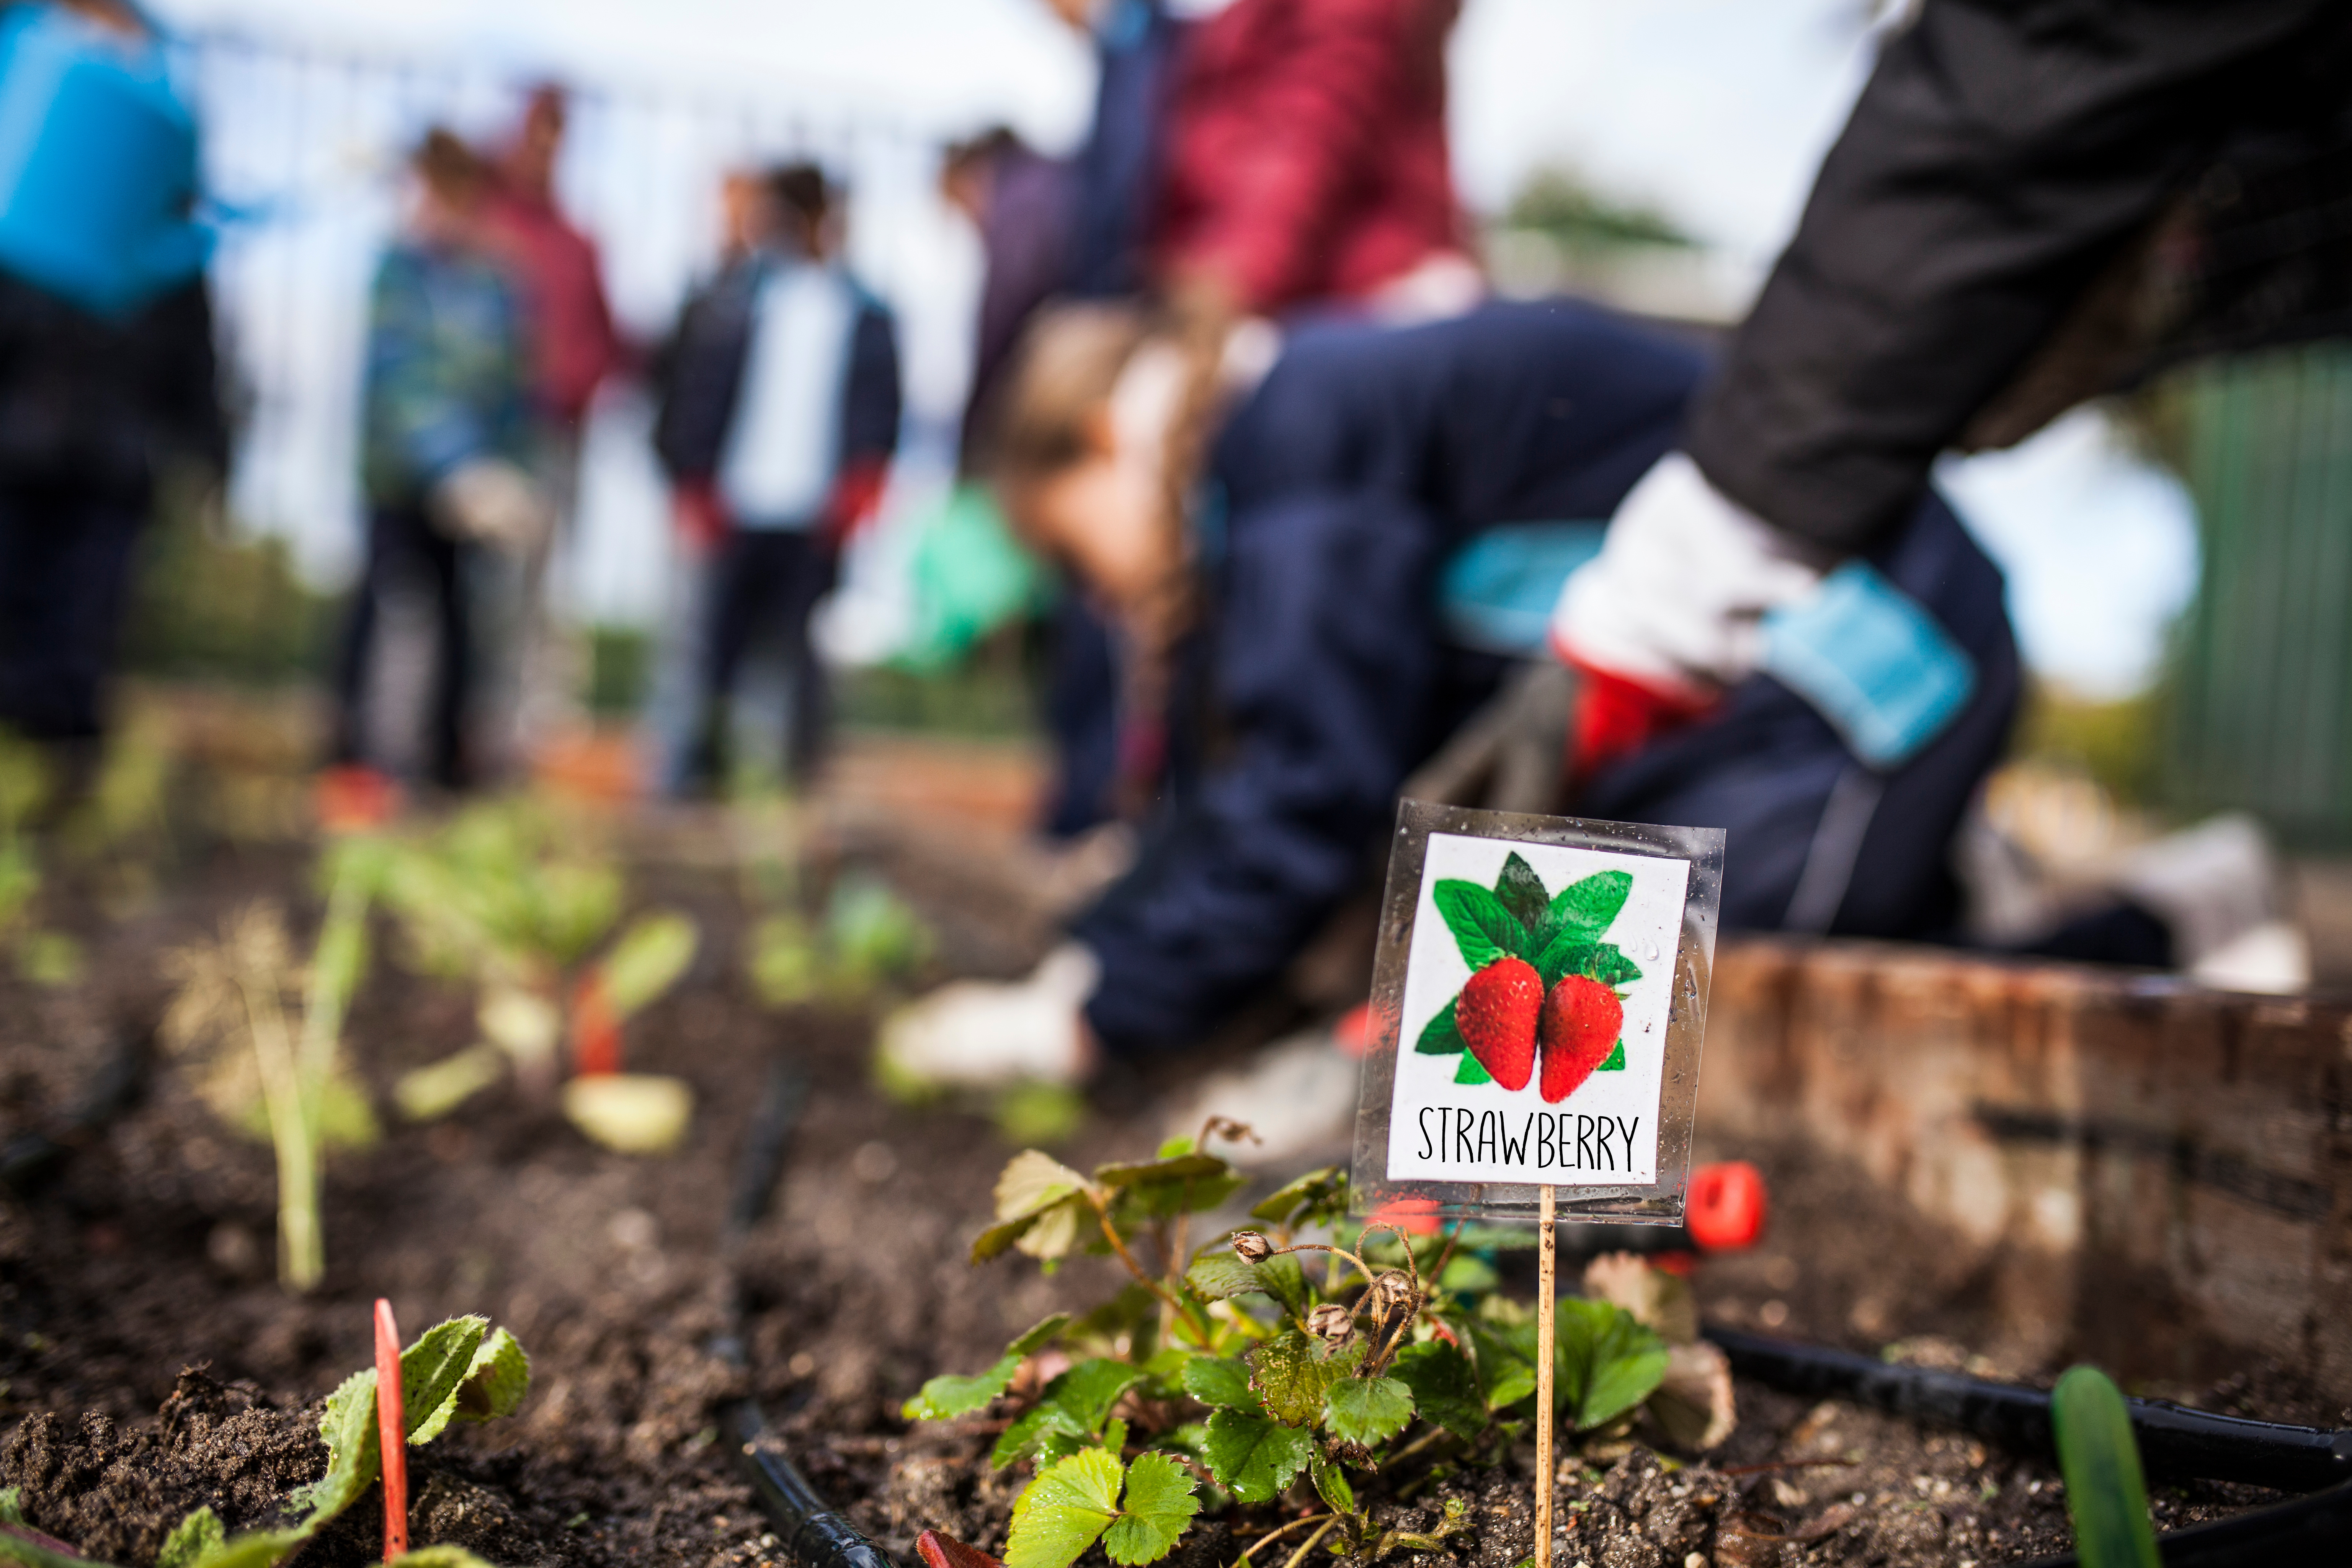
{"type": "Point", "coordinates": [392, 1431]}
{"type": "Point", "coordinates": [1545, 1358]}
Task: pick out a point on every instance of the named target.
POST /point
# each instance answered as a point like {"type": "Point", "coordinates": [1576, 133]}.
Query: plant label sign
{"type": "Point", "coordinates": [1537, 1007]}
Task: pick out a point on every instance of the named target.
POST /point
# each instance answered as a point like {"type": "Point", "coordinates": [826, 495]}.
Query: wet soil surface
{"type": "Point", "coordinates": [150, 1363]}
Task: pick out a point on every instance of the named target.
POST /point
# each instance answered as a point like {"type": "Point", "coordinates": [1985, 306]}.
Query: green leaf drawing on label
{"type": "Point", "coordinates": [1483, 928]}
{"type": "Point", "coordinates": [1292, 1372]}
{"type": "Point", "coordinates": [945, 1397]}
{"type": "Point", "coordinates": [1159, 1503]}
{"type": "Point", "coordinates": [1589, 906]}
{"type": "Point", "coordinates": [1219, 1381]}
{"type": "Point", "coordinates": [1064, 1511]}
{"type": "Point", "coordinates": [1522, 892]}
{"type": "Point", "coordinates": [1367, 1410]}
{"type": "Point", "coordinates": [1441, 1037]}
{"type": "Point", "coordinates": [1566, 953]}
{"type": "Point", "coordinates": [1252, 1457]}
{"type": "Point", "coordinates": [1444, 1389]}
{"type": "Point", "coordinates": [1609, 967]}
{"type": "Point", "coordinates": [1472, 1070]}
{"type": "Point", "coordinates": [1615, 1060]}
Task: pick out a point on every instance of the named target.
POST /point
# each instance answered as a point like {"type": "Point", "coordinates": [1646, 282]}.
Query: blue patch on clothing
{"type": "Point", "coordinates": [1495, 594]}
{"type": "Point", "coordinates": [1876, 665]}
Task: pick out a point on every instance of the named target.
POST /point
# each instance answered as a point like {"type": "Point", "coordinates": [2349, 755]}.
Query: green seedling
{"type": "Point", "coordinates": [233, 1009]}
{"type": "Point", "coordinates": [2106, 1496]}
{"type": "Point", "coordinates": [518, 901]}
{"type": "Point", "coordinates": [869, 941]}
{"type": "Point", "coordinates": [42, 956]}
{"type": "Point", "coordinates": [1256, 1360]}
{"type": "Point", "coordinates": [459, 1371]}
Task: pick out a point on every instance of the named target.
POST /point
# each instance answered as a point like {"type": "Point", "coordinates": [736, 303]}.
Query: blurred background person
{"type": "Point", "coordinates": [779, 414]}
{"type": "Point", "coordinates": [573, 347]}
{"type": "Point", "coordinates": [448, 435]}
{"type": "Point", "coordinates": [107, 373]}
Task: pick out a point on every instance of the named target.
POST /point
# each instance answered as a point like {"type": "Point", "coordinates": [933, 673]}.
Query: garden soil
{"type": "Point", "coordinates": [151, 1364]}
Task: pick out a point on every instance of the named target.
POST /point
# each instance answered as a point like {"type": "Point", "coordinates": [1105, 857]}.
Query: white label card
{"type": "Point", "coordinates": [1538, 988]}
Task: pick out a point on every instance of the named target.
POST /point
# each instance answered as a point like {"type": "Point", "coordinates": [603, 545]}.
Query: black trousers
{"type": "Point", "coordinates": [405, 551]}
{"type": "Point", "coordinates": [65, 572]}
{"type": "Point", "coordinates": [764, 585]}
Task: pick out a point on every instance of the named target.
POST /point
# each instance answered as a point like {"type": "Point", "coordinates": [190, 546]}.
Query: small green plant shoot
{"type": "Point", "coordinates": [271, 1069]}
{"type": "Point", "coordinates": [1261, 1357]}
{"type": "Point", "coordinates": [2107, 1496]}
{"type": "Point", "coordinates": [459, 1371]}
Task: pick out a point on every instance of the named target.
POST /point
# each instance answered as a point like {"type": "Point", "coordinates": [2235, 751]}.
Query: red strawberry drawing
{"type": "Point", "coordinates": [1497, 1017]}
{"type": "Point", "coordinates": [1581, 1019]}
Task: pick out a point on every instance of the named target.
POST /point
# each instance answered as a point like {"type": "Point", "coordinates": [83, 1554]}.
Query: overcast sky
{"type": "Point", "coordinates": [1714, 112]}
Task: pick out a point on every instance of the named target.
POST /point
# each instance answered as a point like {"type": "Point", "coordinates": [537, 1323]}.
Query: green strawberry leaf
{"type": "Point", "coordinates": [194, 1536]}
{"type": "Point", "coordinates": [1589, 906]}
{"type": "Point", "coordinates": [1035, 1432]}
{"type": "Point", "coordinates": [493, 1389]}
{"type": "Point", "coordinates": [1286, 1280]}
{"type": "Point", "coordinates": [1252, 1457]}
{"type": "Point", "coordinates": [947, 1396]}
{"type": "Point", "coordinates": [1318, 1197]}
{"type": "Point", "coordinates": [1472, 1070]}
{"type": "Point", "coordinates": [1159, 1503]}
{"type": "Point", "coordinates": [1367, 1410]}
{"type": "Point", "coordinates": [1087, 1392]}
{"type": "Point", "coordinates": [1331, 1482]}
{"type": "Point", "coordinates": [1220, 1276]}
{"type": "Point", "coordinates": [1483, 928]}
{"type": "Point", "coordinates": [1506, 1360]}
{"type": "Point", "coordinates": [1065, 1510]}
{"type": "Point", "coordinates": [1219, 1381]}
{"type": "Point", "coordinates": [1444, 1388]}
{"type": "Point", "coordinates": [1615, 1060]}
{"type": "Point", "coordinates": [1608, 966]}
{"type": "Point", "coordinates": [1292, 1372]}
{"type": "Point", "coordinates": [1441, 1037]}
{"type": "Point", "coordinates": [1522, 892]}
{"type": "Point", "coordinates": [1609, 1361]}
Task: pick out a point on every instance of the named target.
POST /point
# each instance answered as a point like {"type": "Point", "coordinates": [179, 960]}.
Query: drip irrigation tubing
{"type": "Point", "coordinates": [2174, 1440]}
{"type": "Point", "coordinates": [813, 1533]}
{"type": "Point", "coordinates": [2311, 1529]}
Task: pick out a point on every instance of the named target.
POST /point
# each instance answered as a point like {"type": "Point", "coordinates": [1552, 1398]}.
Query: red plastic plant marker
{"type": "Point", "coordinates": [1726, 1207]}
{"type": "Point", "coordinates": [941, 1550]}
{"type": "Point", "coordinates": [595, 1033]}
{"type": "Point", "coordinates": [392, 1431]}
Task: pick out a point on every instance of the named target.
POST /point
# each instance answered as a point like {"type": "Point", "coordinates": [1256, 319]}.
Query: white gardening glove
{"type": "Point", "coordinates": [491, 502]}
{"type": "Point", "coordinates": [1674, 601]}
{"type": "Point", "coordinates": [983, 1035]}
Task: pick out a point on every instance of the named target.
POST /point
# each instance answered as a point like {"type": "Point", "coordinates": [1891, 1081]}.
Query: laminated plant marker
{"type": "Point", "coordinates": [1538, 1000]}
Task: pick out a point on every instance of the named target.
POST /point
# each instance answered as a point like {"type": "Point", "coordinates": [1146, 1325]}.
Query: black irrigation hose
{"type": "Point", "coordinates": [812, 1532]}
{"type": "Point", "coordinates": [2312, 1529]}
{"type": "Point", "coordinates": [2174, 1441]}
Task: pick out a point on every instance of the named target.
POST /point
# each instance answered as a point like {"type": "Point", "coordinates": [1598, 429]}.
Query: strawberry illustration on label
{"type": "Point", "coordinates": [1543, 987]}
{"type": "Point", "coordinates": [1581, 1021]}
{"type": "Point", "coordinates": [1497, 1015]}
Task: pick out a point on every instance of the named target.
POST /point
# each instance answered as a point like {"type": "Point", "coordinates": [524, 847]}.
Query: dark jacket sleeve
{"type": "Point", "coordinates": [699, 374]}
{"type": "Point", "coordinates": [869, 414]}
{"type": "Point", "coordinates": [2001, 154]}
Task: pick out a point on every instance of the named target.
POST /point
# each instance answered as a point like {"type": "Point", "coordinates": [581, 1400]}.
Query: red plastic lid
{"type": "Point", "coordinates": [1726, 1212]}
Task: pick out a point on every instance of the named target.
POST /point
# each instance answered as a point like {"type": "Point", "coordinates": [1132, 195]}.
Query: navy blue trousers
{"type": "Point", "coordinates": [1363, 459]}
{"type": "Point", "coordinates": [66, 557]}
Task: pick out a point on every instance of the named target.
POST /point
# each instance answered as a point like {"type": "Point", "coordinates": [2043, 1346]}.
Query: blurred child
{"type": "Point", "coordinates": [780, 414]}
{"type": "Point", "coordinates": [93, 410]}
{"type": "Point", "coordinates": [1311, 671]}
{"type": "Point", "coordinates": [446, 435]}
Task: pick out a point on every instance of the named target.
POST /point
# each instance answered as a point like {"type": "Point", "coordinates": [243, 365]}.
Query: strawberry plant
{"type": "Point", "coordinates": [1261, 1360]}
{"type": "Point", "coordinates": [1543, 982]}
{"type": "Point", "coordinates": [459, 1371]}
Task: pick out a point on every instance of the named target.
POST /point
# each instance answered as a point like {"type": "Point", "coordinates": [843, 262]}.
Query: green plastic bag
{"type": "Point", "coordinates": [970, 577]}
